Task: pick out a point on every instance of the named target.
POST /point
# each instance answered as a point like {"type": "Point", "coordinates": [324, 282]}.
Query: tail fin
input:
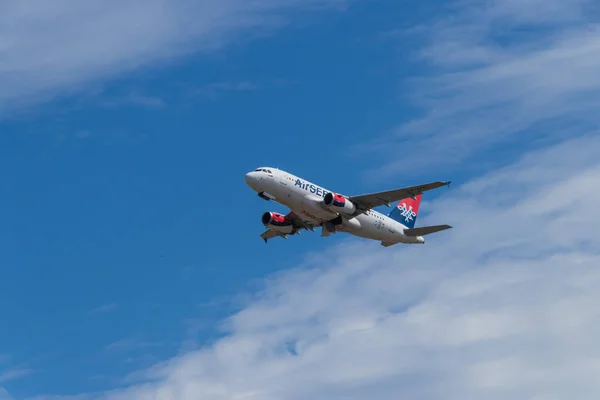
{"type": "Point", "coordinates": [406, 211]}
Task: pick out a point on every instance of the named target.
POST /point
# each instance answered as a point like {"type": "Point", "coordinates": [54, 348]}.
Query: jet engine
{"type": "Point", "coordinates": [338, 203]}
{"type": "Point", "coordinates": [277, 222]}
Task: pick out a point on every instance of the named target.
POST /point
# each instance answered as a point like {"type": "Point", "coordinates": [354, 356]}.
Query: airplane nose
{"type": "Point", "coordinates": [251, 179]}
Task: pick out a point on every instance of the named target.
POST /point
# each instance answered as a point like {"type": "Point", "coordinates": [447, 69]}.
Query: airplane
{"type": "Point", "coordinates": [312, 206]}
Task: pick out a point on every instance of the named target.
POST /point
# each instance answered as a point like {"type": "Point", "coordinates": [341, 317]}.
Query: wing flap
{"type": "Point", "coordinates": [269, 234]}
{"type": "Point", "coordinates": [368, 201]}
{"type": "Point", "coordinates": [426, 230]}
{"type": "Point", "coordinates": [299, 222]}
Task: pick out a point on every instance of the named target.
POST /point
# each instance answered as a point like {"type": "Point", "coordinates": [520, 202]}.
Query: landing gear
{"type": "Point", "coordinates": [327, 230]}
{"type": "Point", "coordinates": [328, 227]}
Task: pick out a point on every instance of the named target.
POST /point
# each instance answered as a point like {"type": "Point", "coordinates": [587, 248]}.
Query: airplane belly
{"type": "Point", "coordinates": [374, 228]}
{"type": "Point", "coordinates": [360, 226]}
{"type": "Point", "coordinates": [351, 224]}
{"type": "Point", "coordinates": [388, 235]}
{"type": "Point", "coordinates": [294, 203]}
{"type": "Point", "coordinates": [311, 208]}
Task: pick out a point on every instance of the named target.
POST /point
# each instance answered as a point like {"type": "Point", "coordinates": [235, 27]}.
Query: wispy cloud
{"type": "Point", "coordinates": [503, 306]}
{"type": "Point", "coordinates": [234, 86]}
{"type": "Point", "coordinates": [63, 47]}
{"type": "Point", "coordinates": [4, 395]}
{"type": "Point", "coordinates": [130, 343]}
{"type": "Point", "coordinates": [133, 99]}
{"type": "Point", "coordinates": [104, 308]}
{"type": "Point", "coordinates": [16, 373]}
{"type": "Point", "coordinates": [215, 90]}
{"type": "Point", "coordinates": [496, 73]}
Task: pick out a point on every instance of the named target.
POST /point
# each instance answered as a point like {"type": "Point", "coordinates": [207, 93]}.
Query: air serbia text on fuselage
{"type": "Point", "coordinates": [311, 188]}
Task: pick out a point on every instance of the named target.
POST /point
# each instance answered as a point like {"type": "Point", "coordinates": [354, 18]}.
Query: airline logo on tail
{"type": "Point", "coordinates": [406, 211]}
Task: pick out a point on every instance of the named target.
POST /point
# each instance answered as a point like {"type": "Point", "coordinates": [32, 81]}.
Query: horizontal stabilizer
{"type": "Point", "coordinates": [426, 230]}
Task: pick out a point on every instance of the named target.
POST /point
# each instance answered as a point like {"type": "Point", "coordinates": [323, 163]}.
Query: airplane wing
{"type": "Point", "coordinates": [366, 202]}
{"type": "Point", "coordinates": [299, 223]}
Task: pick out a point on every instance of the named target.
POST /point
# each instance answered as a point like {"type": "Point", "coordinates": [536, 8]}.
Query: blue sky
{"type": "Point", "coordinates": [131, 262]}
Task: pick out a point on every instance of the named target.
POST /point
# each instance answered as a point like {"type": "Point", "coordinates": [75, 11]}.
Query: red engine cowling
{"type": "Point", "coordinates": [339, 203]}
{"type": "Point", "coordinates": [277, 222]}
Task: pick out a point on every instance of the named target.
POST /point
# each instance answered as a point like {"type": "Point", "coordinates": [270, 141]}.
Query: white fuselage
{"type": "Point", "coordinates": [306, 200]}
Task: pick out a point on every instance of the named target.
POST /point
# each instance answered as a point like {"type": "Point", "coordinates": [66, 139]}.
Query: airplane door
{"type": "Point", "coordinates": [284, 180]}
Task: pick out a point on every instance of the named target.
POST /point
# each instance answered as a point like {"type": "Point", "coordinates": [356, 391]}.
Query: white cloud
{"type": "Point", "coordinates": [499, 72]}
{"type": "Point", "coordinates": [13, 374]}
{"type": "Point", "coordinates": [104, 308]}
{"type": "Point", "coordinates": [503, 306]}
{"type": "Point", "coordinates": [4, 395]}
{"type": "Point", "coordinates": [61, 47]}
{"type": "Point", "coordinates": [134, 99]}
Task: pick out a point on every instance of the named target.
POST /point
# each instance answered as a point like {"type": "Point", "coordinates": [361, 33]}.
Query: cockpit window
{"type": "Point", "coordinates": [262, 170]}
